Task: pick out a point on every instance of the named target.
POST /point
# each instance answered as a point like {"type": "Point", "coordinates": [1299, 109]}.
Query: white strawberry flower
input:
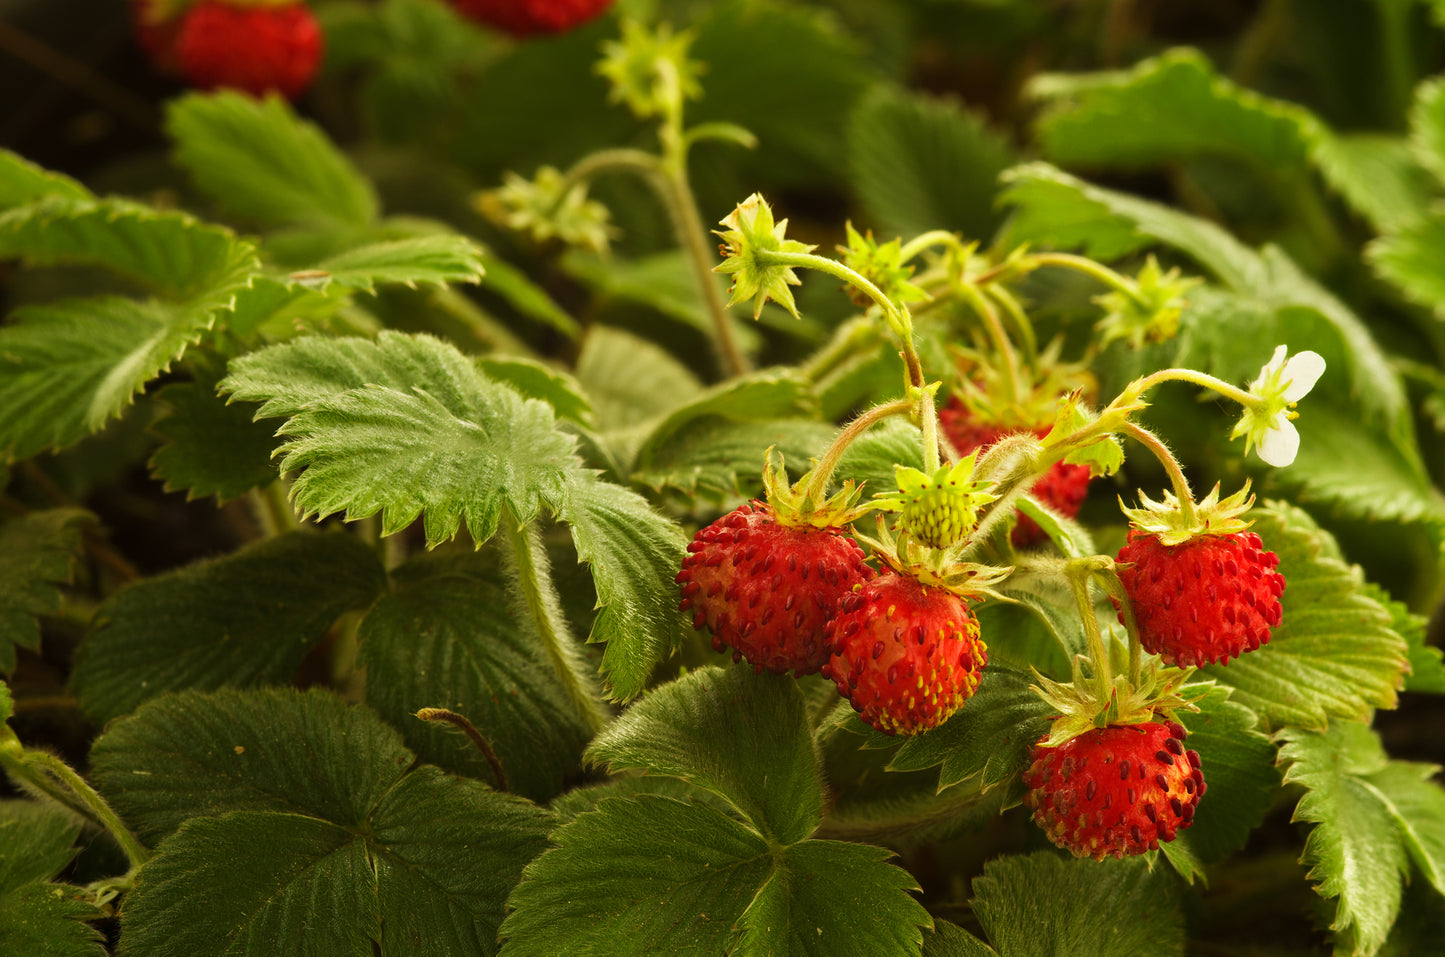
{"type": "Point", "coordinates": [1266, 423]}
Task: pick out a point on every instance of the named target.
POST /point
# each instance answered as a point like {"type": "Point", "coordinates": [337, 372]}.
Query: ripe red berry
{"type": "Point", "coordinates": [907, 655]}
{"type": "Point", "coordinates": [1063, 488]}
{"type": "Point", "coordinates": [1115, 791]}
{"type": "Point", "coordinates": [766, 590]}
{"type": "Point", "coordinates": [1203, 601]}
{"type": "Point", "coordinates": [525, 17]}
{"type": "Point", "coordinates": [255, 49]}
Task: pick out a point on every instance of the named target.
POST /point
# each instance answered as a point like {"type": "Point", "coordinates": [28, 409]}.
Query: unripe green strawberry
{"type": "Point", "coordinates": [766, 590]}
{"type": "Point", "coordinates": [939, 510]}
{"type": "Point", "coordinates": [1205, 600]}
{"type": "Point", "coordinates": [907, 655]}
{"type": "Point", "coordinates": [1117, 791]}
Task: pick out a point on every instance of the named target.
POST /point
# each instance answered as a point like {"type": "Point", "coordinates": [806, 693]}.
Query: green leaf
{"type": "Point", "coordinates": [950, 940]}
{"type": "Point", "coordinates": [212, 447]}
{"type": "Point", "coordinates": [444, 637]}
{"type": "Point", "coordinates": [687, 880]}
{"type": "Point", "coordinates": [1168, 107]}
{"type": "Point", "coordinates": [263, 164]}
{"type": "Point", "coordinates": [537, 380]}
{"type": "Point", "coordinates": [69, 367]}
{"type": "Point", "coordinates": [724, 458]}
{"type": "Point", "coordinates": [438, 260]}
{"type": "Point", "coordinates": [272, 304]}
{"type": "Point", "coordinates": [630, 380]}
{"type": "Point", "coordinates": [739, 735]}
{"type": "Point", "coordinates": [398, 862]}
{"type": "Point", "coordinates": [1417, 804]}
{"type": "Point", "coordinates": [919, 163]}
{"type": "Point", "coordinates": [1043, 904]}
{"type": "Point", "coordinates": [245, 619]}
{"type": "Point", "coordinates": [22, 181]}
{"type": "Point", "coordinates": [1427, 126]}
{"type": "Point", "coordinates": [633, 553]}
{"type": "Point", "coordinates": [1335, 654]}
{"type": "Point", "coordinates": [871, 458]}
{"type": "Point", "coordinates": [40, 919]}
{"type": "Point", "coordinates": [1378, 176]}
{"type": "Point", "coordinates": [812, 903]}
{"type": "Point", "coordinates": [1354, 850]}
{"type": "Point", "coordinates": [168, 253]}
{"type": "Point", "coordinates": [989, 739]}
{"type": "Point", "coordinates": [37, 552]}
{"type": "Point", "coordinates": [1406, 259]}
{"type": "Point", "coordinates": [1238, 763]}
{"type": "Point", "coordinates": [1427, 673]}
{"type": "Point", "coordinates": [509, 282]}
{"type": "Point", "coordinates": [404, 425]}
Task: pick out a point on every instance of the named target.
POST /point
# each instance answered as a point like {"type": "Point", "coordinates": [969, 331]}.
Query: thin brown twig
{"type": "Point", "coordinates": [458, 721]}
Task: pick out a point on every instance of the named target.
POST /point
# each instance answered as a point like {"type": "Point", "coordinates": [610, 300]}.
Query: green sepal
{"type": "Point", "coordinates": [797, 505]}
{"type": "Point", "coordinates": [935, 567]}
{"type": "Point", "coordinates": [548, 207]}
{"type": "Point", "coordinates": [1102, 454]}
{"type": "Point", "coordinates": [650, 71]}
{"type": "Point", "coordinates": [881, 265]}
{"type": "Point", "coordinates": [1149, 312]}
{"type": "Point", "coordinates": [1212, 516]}
{"type": "Point", "coordinates": [750, 235]}
{"type": "Point", "coordinates": [1156, 695]}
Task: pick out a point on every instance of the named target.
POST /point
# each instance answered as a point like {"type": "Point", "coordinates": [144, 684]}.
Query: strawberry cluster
{"type": "Point", "coordinates": [257, 48]}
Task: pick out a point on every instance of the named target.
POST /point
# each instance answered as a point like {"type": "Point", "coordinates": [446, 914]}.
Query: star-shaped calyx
{"type": "Point", "coordinates": [750, 236]}
{"type": "Point", "coordinates": [1174, 525]}
{"type": "Point", "coordinates": [1155, 696]}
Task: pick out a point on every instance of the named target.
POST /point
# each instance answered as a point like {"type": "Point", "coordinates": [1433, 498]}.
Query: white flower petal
{"type": "Point", "coordinates": [1275, 363]}
{"type": "Point", "coordinates": [1280, 444]}
{"type": "Point", "coordinates": [1302, 372]}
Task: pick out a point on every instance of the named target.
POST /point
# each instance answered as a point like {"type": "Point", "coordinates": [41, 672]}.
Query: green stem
{"type": "Point", "coordinates": [1001, 344]}
{"type": "Point", "coordinates": [928, 423]}
{"type": "Point", "coordinates": [272, 507]}
{"type": "Point", "coordinates": [1088, 267]}
{"type": "Point", "coordinates": [1171, 465]}
{"type": "Point", "coordinates": [621, 159]}
{"type": "Point", "coordinates": [54, 778]}
{"type": "Point", "coordinates": [1079, 574]}
{"type": "Point", "coordinates": [531, 573]}
{"type": "Point", "coordinates": [817, 488]}
{"type": "Point", "coordinates": [1239, 395]}
{"type": "Point", "coordinates": [1027, 338]}
{"type": "Point", "coordinates": [897, 318]}
{"type": "Point", "coordinates": [934, 237]}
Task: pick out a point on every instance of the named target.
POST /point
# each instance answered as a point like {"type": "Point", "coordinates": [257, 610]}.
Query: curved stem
{"type": "Point", "coordinates": [620, 159]}
{"type": "Point", "coordinates": [1171, 465]}
{"type": "Point", "coordinates": [53, 777]}
{"type": "Point", "coordinates": [1000, 339]}
{"type": "Point", "coordinates": [818, 486]}
{"type": "Point", "coordinates": [470, 730]}
{"type": "Point", "coordinates": [897, 318]}
{"type": "Point", "coordinates": [1088, 267]}
{"type": "Point", "coordinates": [934, 237]}
{"type": "Point", "coordinates": [1021, 321]}
{"type": "Point", "coordinates": [531, 576]}
{"type": "Point", "coordinates": [1079, 575]}
{"type": "Point", "coordinates": [687, 224]}
{"type": "Point", "coordinates": [1239, 395]}
{"type": "Point", "coordinates": [928, 423]}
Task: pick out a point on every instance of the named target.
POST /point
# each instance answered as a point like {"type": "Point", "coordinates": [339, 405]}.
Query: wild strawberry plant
{"type": "Point", "coordinates": [1046, 589]}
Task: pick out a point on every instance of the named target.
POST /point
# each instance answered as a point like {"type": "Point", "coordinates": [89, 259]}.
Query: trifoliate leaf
{"type": "Point", "coordinates": [1238, 763]}
{"type": "Point", "coordinates": [263, 164]}
{"type": "Point", "coordinates": [444, 637]}
{"type": "Point", "coordinates": [651, 875]}
{"type": "Point", "coordinates": [198, 754]}
{"type": "Point", "coordinates": [989, 739]}
{"type": "Point", "coordinates": [405, 425]}
{"type": "Point", "coordinates": [40, 919]}
{"type": "Point", "coordinates": [1354, 850]}
{"type": "Point", "coordinates": [245, 619]}
{"type": "Point", "coordinates": [169, 253]}
{"type": "Point", "coordinates": [37, 552]}
{"type": "Point", "coordinates": [22, 181]}
{"type": "Point", "coordinates": [69, 367]}
{"type": "Point", "coordinates": [435, 260]}
{"type": "Point", "coordinates": [310, 805]}
{"type": "Point", "coordinates": [213, 447]}
{"type": "Point", "coordinates": [1044, 904]}
{"type": "Point", "coordinates": [718, 728]}
{"type": "Point", "coordinates": [919, 163]}
{"type": "Point", "coordinates": [1335, 654]}
{"type": "Point", "coordinates": [633, 553]}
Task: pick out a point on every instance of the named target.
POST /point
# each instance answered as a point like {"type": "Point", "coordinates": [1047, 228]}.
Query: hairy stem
{"type": "Point", "coordinates": [470, 730]}
{"type": "Point", "coordinates": [1079, 576]}
{"type": "Point", "coordinates": [823, 474]}
{"type": "Point", "coordinates": [1171, 465]}
{"type": "Point", "coordinates": [1000, 340]}
{"type": "Point", "coordinates": [52, 777]}
{"type": "Point", "coordinates": [531, 576]}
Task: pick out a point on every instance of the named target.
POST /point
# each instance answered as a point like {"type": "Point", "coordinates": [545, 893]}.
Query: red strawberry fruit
{"type": "Point", "coordinates": [1063, 488]}
{"type": "Point", "coordinates": [907, 655]}
{"type": "Point", "coordinates": [526, 17]}
{"type": "Point", "coordinates": [766, 589]}
{"type": "Point", "coordinates": [1204, 600]}
{"type": "Point", "coordinates": [1118, 790]}
{"type": "Point", "coordinates": [249, 47]}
